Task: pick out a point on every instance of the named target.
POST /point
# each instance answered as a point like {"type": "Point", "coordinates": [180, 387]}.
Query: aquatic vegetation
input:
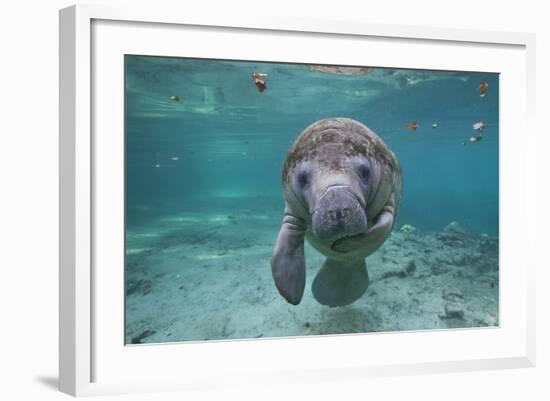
{"type": "Point", "coordinates": [479, 126]}
{"type": "Point", "coordinates": [259, 80]}
{"type": "Point", "coordinates": [483, 88]}
{"type": "Point", "coordinates": [335, 69]}
{"type": "Point", "coordinates": [407, 228]}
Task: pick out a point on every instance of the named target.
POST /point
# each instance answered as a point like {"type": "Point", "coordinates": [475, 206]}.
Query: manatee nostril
{"type": "Point", "coordinates": [339, 214]}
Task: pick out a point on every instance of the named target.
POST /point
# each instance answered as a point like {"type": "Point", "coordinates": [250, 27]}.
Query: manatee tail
{"type": "Point", "coordinates": [340, 283]}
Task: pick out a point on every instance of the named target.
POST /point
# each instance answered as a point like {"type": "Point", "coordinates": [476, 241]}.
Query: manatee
{"type": "Point", "coordinates": [342, 189]}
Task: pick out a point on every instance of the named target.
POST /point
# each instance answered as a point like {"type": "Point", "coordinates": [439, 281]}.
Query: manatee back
{"type": "Point", "coordinates": [352, 138]}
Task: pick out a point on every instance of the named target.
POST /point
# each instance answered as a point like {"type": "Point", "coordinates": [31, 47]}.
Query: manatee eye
{"type": "Point", "coordinates": [303, 178]}
{"type": "Point", "coordinates": [363, 171]}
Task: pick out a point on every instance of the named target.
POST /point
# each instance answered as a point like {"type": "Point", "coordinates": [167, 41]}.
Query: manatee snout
{"type": "Point", "coordinates": [338, 214]}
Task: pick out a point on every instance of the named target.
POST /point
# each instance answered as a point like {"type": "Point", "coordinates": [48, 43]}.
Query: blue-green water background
{"type": "Point", "coordinates": [224, 143]}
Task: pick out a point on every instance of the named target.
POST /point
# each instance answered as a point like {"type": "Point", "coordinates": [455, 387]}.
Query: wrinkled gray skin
{"type": "Point", "coordinates": [342, 188]}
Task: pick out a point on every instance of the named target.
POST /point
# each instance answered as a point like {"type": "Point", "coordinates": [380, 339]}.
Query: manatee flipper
{"type": "Point", "coordinates": [288, 264]}
{"type": "Point", "coordinates": [340, 283]}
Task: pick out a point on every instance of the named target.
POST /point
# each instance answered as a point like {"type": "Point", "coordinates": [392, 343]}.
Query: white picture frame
{"type": "Point", "coordinates": [93, 355]}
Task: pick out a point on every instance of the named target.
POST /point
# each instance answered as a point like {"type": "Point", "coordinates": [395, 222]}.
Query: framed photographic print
{"type": "Point", "coordinates": [343, 196]}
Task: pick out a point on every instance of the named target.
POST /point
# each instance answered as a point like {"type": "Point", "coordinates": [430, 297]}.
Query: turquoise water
{"type": "Point", "coordinates": [212, 159]}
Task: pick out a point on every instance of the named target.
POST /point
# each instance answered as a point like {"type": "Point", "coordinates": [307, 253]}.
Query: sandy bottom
{"type": "Point", "coordinates": [205, 276]}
